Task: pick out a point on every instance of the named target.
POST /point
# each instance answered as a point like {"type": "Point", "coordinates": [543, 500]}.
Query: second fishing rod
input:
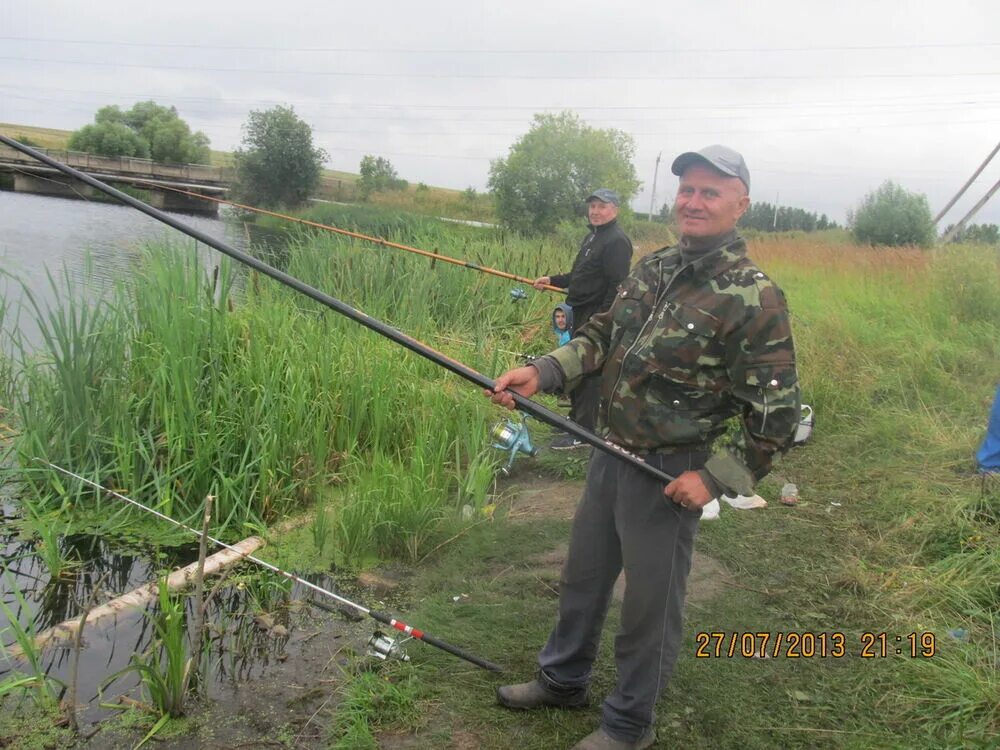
{"type": "Point", "coordinates": [368, 238]}
{"type": "Point", "coordinates": [524, 404]}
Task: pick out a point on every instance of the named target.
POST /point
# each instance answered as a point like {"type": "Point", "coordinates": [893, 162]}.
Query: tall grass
{"type": "Point", "coordinates": [179, 386]}
{"type": "Point", "coordinates": [166, 670]}
{"type": "Point", "coordinates": [900, 354]}
{"type": "Point", "coordinates": [24, 636]}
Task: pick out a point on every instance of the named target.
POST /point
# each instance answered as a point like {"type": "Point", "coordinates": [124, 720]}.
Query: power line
{"type": "Point", "coordinates": [506, 51]}
{"type": "Point", "coordinates": [505, 76]}
{"type": "Point", "coordinates": [727, 107]}
{"type": "Point", "coordinates": [876, 109]}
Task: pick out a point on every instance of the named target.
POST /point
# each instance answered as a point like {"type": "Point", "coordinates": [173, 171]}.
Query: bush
{"type": "Point", "coordinates": [109, 139]}
{"type": "Point", "coordinates": [892, 216]}
{"type": "Point", "coordinates": [147, 130]}
{"type": "Point", "coordinates": [277, 164]}
{"type": "Point", "coordinates": [554, 166]}
{"type": "Point", "coordinates": [378, 175]}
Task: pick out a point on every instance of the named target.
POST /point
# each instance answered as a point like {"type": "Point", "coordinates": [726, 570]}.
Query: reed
{"type": "Point", "coordinates": [165, 670]}
{"type": "Point", "coordinates": [30, 654]}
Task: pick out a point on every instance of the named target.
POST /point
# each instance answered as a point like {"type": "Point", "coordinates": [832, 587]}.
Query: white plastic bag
{"type": "Point", "coordinates": [745, 502]}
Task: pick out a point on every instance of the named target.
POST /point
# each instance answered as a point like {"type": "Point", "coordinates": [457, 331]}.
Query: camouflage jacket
{"type": "Point", "coordinates": [687, 345]}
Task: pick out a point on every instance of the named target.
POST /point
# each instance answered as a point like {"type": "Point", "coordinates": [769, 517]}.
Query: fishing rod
{"type": "Point", "coordinates": [523, 403]}
{"type": "Point", "coordinates": [358, 235]}
{"type": "Point", "coordinates": [382, 617]}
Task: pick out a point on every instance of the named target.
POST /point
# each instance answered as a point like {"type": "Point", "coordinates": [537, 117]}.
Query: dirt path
{"type": "Point", "coordinates": [549, 498]}
{"type": "Point", "coordinates": [288, 707]}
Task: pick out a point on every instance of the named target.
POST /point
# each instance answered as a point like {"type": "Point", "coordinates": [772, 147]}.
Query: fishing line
{"type": "Point", "coordinates": [358, 235]}
{"type": "Point", "coordinates": [524, 404]}
{"type": "Point", "coordinates": [382, 617]}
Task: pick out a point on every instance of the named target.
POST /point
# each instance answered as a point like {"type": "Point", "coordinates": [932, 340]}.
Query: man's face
{"type": "Point", "coordinates": [560, 319]}
{"type": "Point", "coordinates": [708, 203]}
{"type": "Point", "coordinates": [600, 212]}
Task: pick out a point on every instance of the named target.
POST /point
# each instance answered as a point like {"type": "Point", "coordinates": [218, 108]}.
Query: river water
{"type": "Point", "coordinates": [96, 244]}
{"type": "Point", "coordinates": [40, 234]}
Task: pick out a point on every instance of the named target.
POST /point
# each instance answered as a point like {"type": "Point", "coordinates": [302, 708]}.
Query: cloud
{"type": "Point", "coordinates": [825, 103]}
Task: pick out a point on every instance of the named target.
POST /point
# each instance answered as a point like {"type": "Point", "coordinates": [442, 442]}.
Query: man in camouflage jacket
{"type": "Point", "coordinates": [697, 335]}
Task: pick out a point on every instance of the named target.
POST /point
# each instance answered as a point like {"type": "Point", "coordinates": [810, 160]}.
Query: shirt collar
{"type": "Point", "coordinates": [711, 255]}
{"type": "Point", "coordinates": [602, 227]}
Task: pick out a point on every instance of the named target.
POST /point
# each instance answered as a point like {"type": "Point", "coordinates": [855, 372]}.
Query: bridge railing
{"type": "Point", "coordinates": [125, 165]}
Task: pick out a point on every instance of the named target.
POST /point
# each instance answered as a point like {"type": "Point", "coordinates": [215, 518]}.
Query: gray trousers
{"type": "Point", "coordinates": [624, 521]}
{"type": "Point", "coordinates": [585, 400]}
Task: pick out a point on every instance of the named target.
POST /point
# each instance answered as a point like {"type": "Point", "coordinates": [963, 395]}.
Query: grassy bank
{"type": "Point", "coordinates": [895, 534]}
{"type": "Point", "coordinates": [184, 385]}
{"type": "Point", "coordinates": [181, 386]}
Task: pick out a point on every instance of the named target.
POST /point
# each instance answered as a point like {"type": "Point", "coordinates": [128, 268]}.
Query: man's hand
{"type": "Point", "coordinates": [688, 491]}
{"type": "Point", "coordinates": [541, 282]}
{"type": "Point", "coordinates": [522, 380]}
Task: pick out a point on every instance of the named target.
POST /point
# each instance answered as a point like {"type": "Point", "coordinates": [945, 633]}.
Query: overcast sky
{"type": "Point", "coordinates": [825, 100]}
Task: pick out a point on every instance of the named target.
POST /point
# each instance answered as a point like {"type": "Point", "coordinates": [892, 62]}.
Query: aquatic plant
{"type": "Point", "coordinates": [320, 527]}
{"type": "Point", "coordinates": [181, 386]}
{"type": "Point", "coordinates": [165, 670]}
{"type": "Point", "coordinates": [28, 651]}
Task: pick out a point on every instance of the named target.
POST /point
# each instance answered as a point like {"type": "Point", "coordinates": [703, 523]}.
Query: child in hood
{"type": "Point", "coordinates": [562, 323]}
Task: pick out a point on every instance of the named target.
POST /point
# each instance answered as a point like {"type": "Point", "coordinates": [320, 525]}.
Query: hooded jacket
{"type": "Point", "coordinates": [564, 335]}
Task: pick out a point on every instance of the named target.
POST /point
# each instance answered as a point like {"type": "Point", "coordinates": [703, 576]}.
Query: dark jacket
{"type": "Point", "coordinates": [600, 266]}
{"type": "Point", "coordinates": [686, 346]}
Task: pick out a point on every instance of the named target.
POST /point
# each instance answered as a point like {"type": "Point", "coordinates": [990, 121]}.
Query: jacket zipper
{"type": "Point", "coordinates": [638, 338]}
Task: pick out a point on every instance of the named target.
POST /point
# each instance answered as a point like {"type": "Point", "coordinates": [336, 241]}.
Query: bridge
{"type": "Point", "coordinates": [32, 176]}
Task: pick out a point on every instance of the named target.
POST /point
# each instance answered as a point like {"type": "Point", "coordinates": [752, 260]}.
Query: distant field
{"type": "Point", "coordinates": [336, 184]}
{"type": "Point", "coordinates": [44, 137]}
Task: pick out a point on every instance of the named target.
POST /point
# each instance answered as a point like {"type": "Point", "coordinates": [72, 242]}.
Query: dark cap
{"type": "Point", "coordinates": [722, 158]}
{"type": "Point", "coordinates": [605, 195]}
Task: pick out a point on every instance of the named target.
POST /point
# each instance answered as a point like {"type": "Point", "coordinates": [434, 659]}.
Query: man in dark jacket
{"type": "Point", "coordinates": [697, 336]}
{"type": "Point", "coordinates": [600, 266]}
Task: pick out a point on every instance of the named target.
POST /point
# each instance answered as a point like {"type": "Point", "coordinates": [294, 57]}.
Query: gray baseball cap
{"type": "Point", "coordinates": [605, 195]}
{"type": "Point", "coordinates": [723, 158]}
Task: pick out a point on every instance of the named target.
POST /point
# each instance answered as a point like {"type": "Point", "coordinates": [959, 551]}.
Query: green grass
{"type": "Point", "coordinates": [370, 701]}
{"type": "Point", "coordinates": [174, 389]}
{"type": "Point", "coordinates": [899, 356]}
{"type": "Point", "coordinates": [179, 386]}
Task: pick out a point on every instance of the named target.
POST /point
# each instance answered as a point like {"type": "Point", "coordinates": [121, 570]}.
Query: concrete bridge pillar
{"type": "Point", "coordinates": [66, 188]}
{"type": "Point", "coordinates": [169, 200]}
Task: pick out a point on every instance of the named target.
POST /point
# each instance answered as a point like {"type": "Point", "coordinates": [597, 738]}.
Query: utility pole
{"type": "Point", "coordinates": [652, 195]}
{"type": "Point", "coordinates": [965, 187]}
{"type": "Point", "coordinates": [975, 209]}
{"type": "Point", "coordinates": [774, 221]}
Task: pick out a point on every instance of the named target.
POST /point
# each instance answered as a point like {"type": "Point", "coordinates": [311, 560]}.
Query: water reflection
{"type": "Point", "coordinates": [97, 243]}
{"type": "Point", "coordinates": [249, 627]}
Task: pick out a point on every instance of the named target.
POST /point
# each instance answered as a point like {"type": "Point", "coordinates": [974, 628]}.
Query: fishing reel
{"type": "Point", "coordinates": [385, 647]}
{"type": "Point", "coordinates": [517, 294]}
{"type": "Point", "coordinates": [512, 436]}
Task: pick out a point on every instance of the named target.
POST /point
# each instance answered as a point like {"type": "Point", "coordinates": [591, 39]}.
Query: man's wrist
{"type": "Point", "coordinates": [550, 374]}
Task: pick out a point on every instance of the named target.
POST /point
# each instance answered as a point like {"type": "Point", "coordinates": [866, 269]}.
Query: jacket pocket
{"type": "Point", "coordinates": [771, 377]}
{"type": "Point", "coordinates": [695, 321]}
{"type": "Point", "coordinates": [687, 346]}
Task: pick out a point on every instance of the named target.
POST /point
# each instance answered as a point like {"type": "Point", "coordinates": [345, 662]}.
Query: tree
{"type": "Point", "coordinates": [377, 176]}
{"type": "Point", "coordinates": [893, 216]}
{"type": "Point", "coordinates": [554, 166]}
{"type": "Point", "coordinates": [109, 139]}
{"type": "Point", "coordinates": [977, 234]}
{"type": "Point", "coordinates": [277, 164]}
{"type": "Point", "coordinates": [148, 129]}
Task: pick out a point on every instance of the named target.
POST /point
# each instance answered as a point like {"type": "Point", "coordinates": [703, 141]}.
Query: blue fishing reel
{"type": "Point", "coordinates": [517, 294]}
{"type": "Point", "coordinates": [512, 436]}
